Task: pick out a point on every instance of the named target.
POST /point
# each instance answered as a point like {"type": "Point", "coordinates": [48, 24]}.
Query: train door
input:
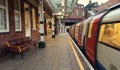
{"type": "Point", "coordinates": [91, 39]}
{"type": "Point", "coordinates": [73, 32]}
{"type": "Point", "coordinates": [76, 32]}
{"type": "Point", "coordinates": [79, 35]}
{"type": "Point", "coordinates": [84, 32]}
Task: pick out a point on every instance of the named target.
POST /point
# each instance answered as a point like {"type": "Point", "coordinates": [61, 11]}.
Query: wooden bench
{"type": "Point", "coordinates": [20, 45]}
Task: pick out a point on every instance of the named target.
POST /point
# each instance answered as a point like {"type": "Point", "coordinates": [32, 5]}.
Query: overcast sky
{"type": "Point", "coordinates": [85, 2]}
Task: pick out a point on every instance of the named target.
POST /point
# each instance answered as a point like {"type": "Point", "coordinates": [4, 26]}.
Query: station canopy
{"type": "Point", "coordinates": [61, 7]}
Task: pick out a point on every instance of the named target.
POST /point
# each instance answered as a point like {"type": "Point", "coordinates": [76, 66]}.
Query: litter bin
{"type": "Point", "coordinates": [41, 45]}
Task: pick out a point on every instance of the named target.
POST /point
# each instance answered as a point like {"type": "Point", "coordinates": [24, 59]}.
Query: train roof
{"type": "Point", "coordinates": [89, 19]}
{"type": "Point", "coordinates": [110, 8]}
{"type": "Point", "coordinates": [114, 6]}
{"type": "Point", "coordinates": [78, 24]}
{"type": "Point", "coordinates": [112, 16]}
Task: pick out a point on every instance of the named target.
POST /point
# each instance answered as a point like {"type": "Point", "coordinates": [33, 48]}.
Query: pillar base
{"type": "Point", "coordinates": [41, 45]}
{"type": "Point", "coordinates": [53, 36]}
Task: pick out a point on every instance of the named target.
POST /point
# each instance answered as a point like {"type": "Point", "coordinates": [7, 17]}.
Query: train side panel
{"type": "Point", "coordinates": [108, 58]}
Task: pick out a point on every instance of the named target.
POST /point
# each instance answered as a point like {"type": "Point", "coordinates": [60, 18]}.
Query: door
{"type": "Point", "coordinates": [27, 21]}
{"type": "Point", "coordinates": [91, 41]}
{"type": "Point", "coordinates": [91, 38]}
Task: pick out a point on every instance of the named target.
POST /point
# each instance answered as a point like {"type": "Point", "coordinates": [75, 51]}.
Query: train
{"type": "Point", "coordinates": [98, 37]}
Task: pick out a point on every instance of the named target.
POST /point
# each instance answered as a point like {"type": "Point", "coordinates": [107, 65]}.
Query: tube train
{"type": "Point", "coordinates": [98, 37]}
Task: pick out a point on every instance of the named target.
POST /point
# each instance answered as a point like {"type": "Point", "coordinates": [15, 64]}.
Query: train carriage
{"type": "Point", "coordinates": [100, 51]}
{"type": "Point", "coordinates": [99, 38]}
{"type": "Point", "coordinates": [77, 26]}
{"type": "Point", "coordinates": [73, 31]}
{"type": "Point", "coordinates": [108, 45]}
{"type": "Point", "coordinates": [80, 34]}
{"type": "Point", "coordinates": [69, 30]}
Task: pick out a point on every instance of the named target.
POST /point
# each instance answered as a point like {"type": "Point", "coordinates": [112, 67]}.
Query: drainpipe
{"type": "Point", "coordinates": [42, 38]}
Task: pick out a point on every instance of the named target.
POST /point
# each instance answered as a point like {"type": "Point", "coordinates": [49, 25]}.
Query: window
{"type": "Point", "coordinates": [75, 6]}
{"type": "Point", "coordinates": [110, 34]}
{"type": "Point", "coordinates": [90, 30]}
{"type": "Point", "coordinates": [33, 17]}
{"type": "Point", "coordinates": [17, 14]}
{"type": "Point", "coordinates": [4, 25]}
{"type": "Point", "coordinates": [76, 12]}
{"type": "Point", "coordinates": [83, 13]}
{"type": "Point", "coordinates": [82, 6]}
{"type": "Point", "coordinates": [81, 28]}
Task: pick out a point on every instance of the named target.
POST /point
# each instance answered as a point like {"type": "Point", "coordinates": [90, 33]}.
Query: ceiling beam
{"type": "Point", "coordinates": [47, 8]}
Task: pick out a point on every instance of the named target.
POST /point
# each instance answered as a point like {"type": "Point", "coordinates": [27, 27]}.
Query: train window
{"type": "Point", "coordinates": [109, 34]}
{"type": "Point", "coordinates": [76, 29]}
{"type": "Point", "coordinates": [90, 29]}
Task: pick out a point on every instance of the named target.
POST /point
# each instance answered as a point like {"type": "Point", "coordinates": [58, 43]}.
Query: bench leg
{"type": "Point", "coordinates": [22, 55]}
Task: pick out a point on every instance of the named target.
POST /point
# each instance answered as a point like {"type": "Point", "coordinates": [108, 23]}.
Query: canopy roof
{"type": "Point", "coordinates": [58, 5]}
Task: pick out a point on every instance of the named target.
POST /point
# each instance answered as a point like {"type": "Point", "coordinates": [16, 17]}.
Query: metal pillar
{"type": "Point", "coordinates": [53, 22]}
{"type": "Point", "coordinates": [63, 25]}
{"type": "Point", "coordinates": [59, 25]}
{"type": "Point", "coordinates": [42, 39]}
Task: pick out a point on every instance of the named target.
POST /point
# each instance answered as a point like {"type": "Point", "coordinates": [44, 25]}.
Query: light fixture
{"type": "Point", "coordinates": [28, 9]}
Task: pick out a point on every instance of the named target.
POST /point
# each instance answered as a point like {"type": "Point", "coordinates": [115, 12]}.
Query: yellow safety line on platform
{"type": "Point", "coordinates": [76, 56]}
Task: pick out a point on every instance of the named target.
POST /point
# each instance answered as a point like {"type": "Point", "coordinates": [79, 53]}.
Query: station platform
{"type": "Point", "coordinates": [57, 55]}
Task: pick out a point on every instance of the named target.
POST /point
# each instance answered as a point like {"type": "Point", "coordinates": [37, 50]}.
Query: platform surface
{"type": "Point", "coordinates": [57, 55]}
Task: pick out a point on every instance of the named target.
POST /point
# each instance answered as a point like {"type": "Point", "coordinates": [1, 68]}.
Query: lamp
{"type": "Point", "coordinates": [28, 9]}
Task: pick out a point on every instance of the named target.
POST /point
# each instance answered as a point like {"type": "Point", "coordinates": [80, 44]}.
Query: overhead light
{"type": "Point", "coordinates": [28, 9]}
{"type": "Point", "coordinates": [43, 11]}
{"type": "Point", "coordinates": [61, 16]}
{"type": "Point", "coordinates": [63, 3]}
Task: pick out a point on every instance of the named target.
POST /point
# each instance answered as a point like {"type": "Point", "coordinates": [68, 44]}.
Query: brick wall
{"type": "Point", "coordinates": [15, 35]}
{"type": "Point", "coordinates": [12, 34]}
{"type": "Point", "coordinates": [77, 12]}
{"type": "Point", "coordinates": [107, 5]}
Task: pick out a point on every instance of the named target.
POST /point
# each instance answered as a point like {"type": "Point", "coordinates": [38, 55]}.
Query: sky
{"type": "Point", "coordinates": [85, 2]}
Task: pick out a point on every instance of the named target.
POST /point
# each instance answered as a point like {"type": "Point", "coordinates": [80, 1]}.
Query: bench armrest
{"type": "Point", "coordinates": [15, 48]}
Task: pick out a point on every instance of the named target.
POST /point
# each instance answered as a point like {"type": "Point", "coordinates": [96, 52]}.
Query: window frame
{"type": "Point", "coordinates": [108, 45]}
{"type": "Point", "coordinates": [18, 12]}
{"type": "Point", "coordinates": [33, 18]}
{"type": "Point", "coordinates": [7, 17]}
{"type": "Point", "coordinates": [90, 27]}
